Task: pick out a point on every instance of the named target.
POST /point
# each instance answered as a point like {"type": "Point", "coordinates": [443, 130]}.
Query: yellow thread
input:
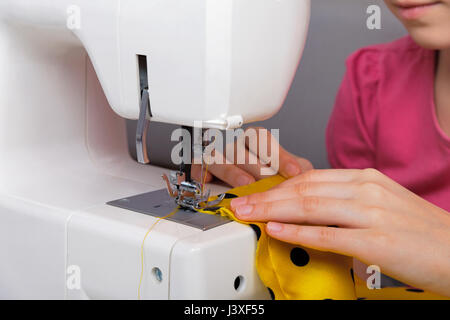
{"type": "Point", "coordinates": [142, 247]}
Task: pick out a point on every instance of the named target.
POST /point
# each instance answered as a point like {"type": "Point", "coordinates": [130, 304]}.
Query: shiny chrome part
{"type": "Point", "coordinates": [159, 204]}
{"type": "Point", "coordinates": [189, 194]}
{"type": "Point", "coordinates": [142, 128]}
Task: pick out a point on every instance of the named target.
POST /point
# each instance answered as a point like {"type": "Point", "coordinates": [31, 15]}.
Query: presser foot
{"type": "Point", "coordinates": [189, 194]}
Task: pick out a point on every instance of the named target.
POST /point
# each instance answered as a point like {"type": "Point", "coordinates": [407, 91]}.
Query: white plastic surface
{"type": "Point", "coordinates": [63, 152]}
{"type": "Point", "coordinates": [217, 59]}
{"type": "Point", "coordinates": [105, 243]}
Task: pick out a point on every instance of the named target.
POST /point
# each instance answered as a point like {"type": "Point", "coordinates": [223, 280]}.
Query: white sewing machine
{"type": "Point", "coordinates": [63, 152]}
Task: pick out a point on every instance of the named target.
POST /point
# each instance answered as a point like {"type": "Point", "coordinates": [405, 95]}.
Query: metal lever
{"type": "Point", "coordinates": [142, 128]}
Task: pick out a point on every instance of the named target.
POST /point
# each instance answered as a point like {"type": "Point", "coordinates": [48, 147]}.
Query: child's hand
{"type": "Point", "coordinates": [380, 222]}
{"type": "Point", "coordinates": [236, 174]}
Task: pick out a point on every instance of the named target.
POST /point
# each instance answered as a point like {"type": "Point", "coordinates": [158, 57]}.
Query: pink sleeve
{"type": "Point", "coordinates": [351, 129]}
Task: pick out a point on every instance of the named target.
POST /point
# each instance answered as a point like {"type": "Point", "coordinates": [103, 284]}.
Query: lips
{"type": "Point", "coordinates": [412, 4]}
{"type": "Point", "coordinates": [411, 10]}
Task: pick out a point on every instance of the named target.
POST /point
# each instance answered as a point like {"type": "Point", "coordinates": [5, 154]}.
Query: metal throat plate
{"type": "Point", "coordinates": [160, 204]}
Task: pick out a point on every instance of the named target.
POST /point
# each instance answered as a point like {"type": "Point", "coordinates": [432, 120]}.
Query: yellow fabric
{"type": "Point", "coordinates": [324, 276]}
{"type": "Point", "coordinates": [292, 272]}
{"type": "Point", "coordinates": [394, 293]}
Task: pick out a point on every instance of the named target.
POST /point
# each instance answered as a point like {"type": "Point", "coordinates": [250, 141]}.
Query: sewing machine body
{"type": "Point", "coordinates": [64, 151]}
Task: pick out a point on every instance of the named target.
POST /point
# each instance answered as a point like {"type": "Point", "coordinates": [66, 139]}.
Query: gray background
{"type": "Point", "coordinates": [338, 27]}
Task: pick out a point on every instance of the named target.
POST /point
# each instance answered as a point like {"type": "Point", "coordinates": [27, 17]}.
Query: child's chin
{"type": "Point", "coordinates": [431, 39]}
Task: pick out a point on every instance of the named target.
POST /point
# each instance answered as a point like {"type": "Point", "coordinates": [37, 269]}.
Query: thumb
{"type": "Point", "coordinates": [291, 165]}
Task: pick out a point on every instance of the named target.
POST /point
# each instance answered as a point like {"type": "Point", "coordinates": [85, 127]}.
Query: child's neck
{"type": "Point", "coordinates": [442, 90]}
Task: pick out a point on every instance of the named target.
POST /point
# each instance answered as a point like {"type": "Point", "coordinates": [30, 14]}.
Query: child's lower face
{"type": "Point", "coordinates": [427, 21]}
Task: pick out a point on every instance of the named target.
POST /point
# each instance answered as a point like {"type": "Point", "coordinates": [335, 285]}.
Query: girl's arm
{"type": "Point", "coordinates": [380, 222]}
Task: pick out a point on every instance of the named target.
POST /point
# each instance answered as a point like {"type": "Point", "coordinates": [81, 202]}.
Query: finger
{"type": "Point", "coordinates": [271, 153]}
{"type": "Point", "coordinates": [324, 175]}
{"type": "Point", "coordinates": [291, 166]}
{"type": "Point", "coordinates": [342, 241]}
{"type": "Point", "coordinates": [337, 190]}
{"type": "Point", "coordinates": [231, 174]}
{"type": "Point", "coordinates": [306, 210]}
{"type": "Point", "coordinates": [305, 164]}
{"type": "Point", "coordinates": [339, 175]}
{"type": "Point", "coordinates": [255, 167]}
{"type": "Point", "coordinates": [196, 173]}
{"type": "Point", "coordinates": [238, 154]}
{"type": "Point", "coordinates": [371, 183]}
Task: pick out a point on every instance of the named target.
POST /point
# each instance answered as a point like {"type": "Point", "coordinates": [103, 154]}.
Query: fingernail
{"type": "Point", "coordinates": [243, 181]}
{"type": "Point", "coordinates": [274, 227]}
{"type": "Point", "coordinates": [238, 202]}
{"type": "Point", "coordinates": [244, 210]}
{"type": "Point", "coordinates": [292, 170]}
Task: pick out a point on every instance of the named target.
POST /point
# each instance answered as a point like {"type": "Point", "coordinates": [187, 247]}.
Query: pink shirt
{"type": "Point", "coordinates": [385, 118]}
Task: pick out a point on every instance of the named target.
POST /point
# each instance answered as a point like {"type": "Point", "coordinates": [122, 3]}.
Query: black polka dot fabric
{"type": "Point", "coordinates": [212, 209]}
{"type": "Point", "coordinates": [272, 295]}
{"type": "Point", "coordinates": [291, 272]}
{"type": "Point", "coordinates": [284, 267]}
{"type": "Point", "coordinates": [230, 196]}
{"type": "Point", "coordinates": [257, 230]}
{"type": "Point", "coordinates": [414, 290]}
{"type": "Point", "coordinates": [299, 257]}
